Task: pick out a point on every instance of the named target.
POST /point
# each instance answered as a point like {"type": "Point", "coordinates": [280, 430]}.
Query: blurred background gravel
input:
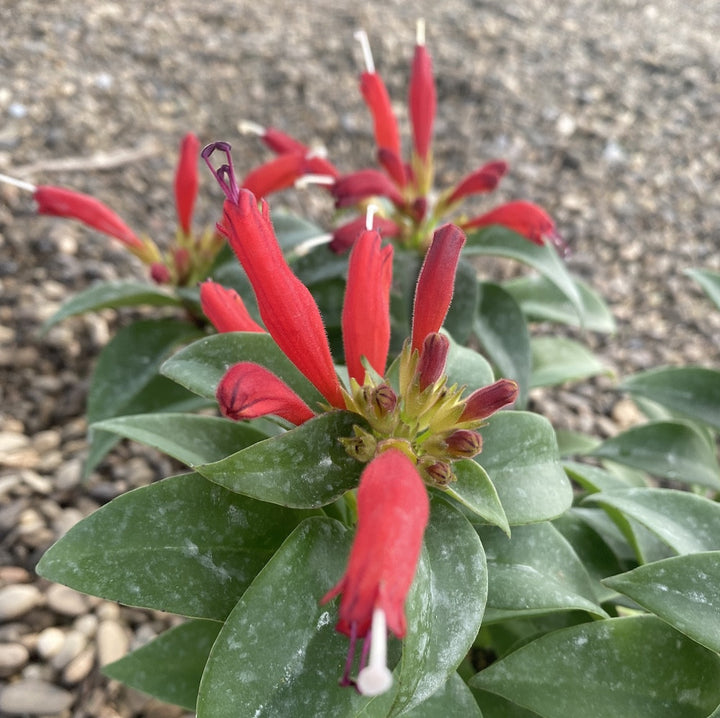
{"type": "Point", "coordinates": [606, 111]}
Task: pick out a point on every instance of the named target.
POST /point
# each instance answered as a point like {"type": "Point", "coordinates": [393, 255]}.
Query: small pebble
{"type": "Point", "coordinates": [66, 601]}
{"type": "Point", "coordinates": [34, 697]}
{"type": "Point", "coordinates": [17, 600]}
{"type": "Point", "coordinates": [72, 645]}
{"type": "Point", "coordinates": [112, 642]}
{"type": "Point", "coordinates": [79, 668]}
{"type": "Point", "coordinates": [49, 642]}
{"type": "Point", "coordinates": [13, 656]}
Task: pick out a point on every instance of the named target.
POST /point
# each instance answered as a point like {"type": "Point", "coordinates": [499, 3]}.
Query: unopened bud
{"type": "Point", "coordinates": [489, 399]}
{"type": "Point", "coordinates": [362, 446]}
{"type": "Point", "coordinates": [160, 273]}
{"type": "Point", "coordinates": [384, 399]}
{"type": "Point", "coordinates": [438, 472]}
{"type": "Point", "coordinates": [463, 444]}
{"type": "Point", "coordinates": [432, 359]}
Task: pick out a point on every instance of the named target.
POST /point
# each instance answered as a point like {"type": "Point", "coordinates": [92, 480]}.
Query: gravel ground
{"type": "Point", "coordinates": [607, 113]}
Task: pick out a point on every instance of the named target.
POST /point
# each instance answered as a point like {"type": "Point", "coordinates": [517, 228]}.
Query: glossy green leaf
{"type": "Point", "coordinates": [533, 572]}
{"type": "Point", "coordinates": [501, 329]}
{"type": "Point", "coordinates": [453, 700]}
{"type": "Point", "coordinates": [541, 300]}
{"type": "Point", "coordinates": [200, 366]}
{"type": "Point", "coordinates": [182, 545]}
{"type": "Point", "coordinates": [686, 522]}
{"type": "Point", "coordinates": [637, 666]}
{"type": "Point", "coordinates": [169, 667]}
{"type": "Point", "coordinates": [497, 707]}
{"type": "Point", "coordinates": [474, 490]}
{"type": "Point", "coordinates": [291, 230]}
{"type": "Point", "coordinates": [693, 392]}
{"type": "Point", "coordinates": [278, 653]}
{"type": "Point", "coordinates": [682, 590]}
{"type": "Point", "coordinates": [320, 265]}
{"type": "Point", "coordinates": [672, 449]}
{"type": "Point", "coordinates": [709, 281]}
{"type": "Point", "coordinates": [126, 379]}
{"type": "Point", "coordinates": [594, 478]}
{"type": "Point", "coordinates": [571, 443]}
{"type": "Point", "coordinates": [444, 608]}
{"type": "Point", "coordinates": [502, 242]}
{"type": "Point", "coordinates": [521, 458]}
{"type": "Point", "coordinates": [602, 524]}
{"type": "Point", "coordinates": [113, 294]}
{"type": "Point", "coordinates": [305, 467]}
{"type": "Point", "coordinates": [191, 438]}
{"type": "Point", "coordinates": [556, 360]}
{"type": "Point", "coordinates": [465, 367]}
{"type": "Point", "coordinates": [461, 314]}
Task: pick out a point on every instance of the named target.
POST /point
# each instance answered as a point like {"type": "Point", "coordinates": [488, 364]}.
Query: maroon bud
{"type": "Point", "coordinates": [432, 359]}
{"type": "Point", "coordinates": [489, 399]}
{"type": "Point", "coordinates": [463, 444]}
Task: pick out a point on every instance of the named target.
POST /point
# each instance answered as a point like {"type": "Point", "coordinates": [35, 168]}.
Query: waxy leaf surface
{"type": "Point", "coordinates": [556, 360]}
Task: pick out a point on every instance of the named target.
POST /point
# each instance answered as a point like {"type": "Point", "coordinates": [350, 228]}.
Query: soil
{"type": "Point", "coordinates": [606, 112]}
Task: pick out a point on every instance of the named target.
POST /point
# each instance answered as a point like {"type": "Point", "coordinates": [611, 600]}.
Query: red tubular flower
{"type": "Point", "coordinates": [186, 181]}
{"type": "Point", "coordinates": [346, 235]}
{"type": "Point", "coordinates": [487, 400]}
{"type": "Point", "coordinates": [393, 510]}
{"type": "Point", "coordinates": [376, 97]}
{"type": "Point", "coordinates": [61, 202]}
{"type": "Point", "coordinates": [522, 217]}
{"type": "Point", "coordinates": [280, 142]}
{"type": "Point", "coordinates": [483, 180]}
{"type": "Point", "coordinates": [249, 390]}
{"type": "Point", "coordinates": [350, 189]}
{"type": "Point", "coordinates": [366, 308]}
{"type": "Point", "coordinates": [421, 100]}
{"type": "Point", "coordinates": [225, 309]}
{"type": "Point", "coordinates": [392, 163]}
{"type": "Point", "coordinates": [279, 173]}
{"type": "Point", "coordinates": [436, 281]}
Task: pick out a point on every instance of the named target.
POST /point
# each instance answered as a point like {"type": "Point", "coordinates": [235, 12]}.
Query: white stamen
{"type": "Point", "coordinates": [248, 127]}
{"type": "Point", "coordinates": [362, 38]}
{"type": "Point", "coordinates": [310, 179]}
{"type": "Point", "coordinates": [304, 247]}
{"type": "Point", "coordinates": [370, 216]}
{"type": "Point", "coordinates": [420, 32]}
{"type": "Point", "coordinates": [18, 183]}
{"type": "Point", "coordinates": [376, 677]}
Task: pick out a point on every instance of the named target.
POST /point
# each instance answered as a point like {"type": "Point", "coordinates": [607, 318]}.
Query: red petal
{"type": "Point", "coordinates": [345, 236]}
{"type": "Point", "coordinates": [286, 306]}
{"type": "Point", "coordinates": [392, 163]}
{"type": "Point", "coordinates": [280, 142]}
{"type": "Point", "coordinates": [61, 202]}
{"type": "Point", "coordinates": [436, 282]}
{"type": "Point", "coordinates": [366, 309]}
{"type": "Point", "coordinates": [483, 180]}
{"type": "Point", "coordinates": [275, 175]}
{"type": "Point", "coordinates": [351, 188]}
{"type": "Point", "coordinates": [421, 101]}
{"type": "Point", "coordinates": [522, 217]}
{"type": "Point", "coordinates": [225, 309]}
{"type": "Point", "coordinates": [377, 99]}
{"type": "Point", "coordinates": [186, 181]}
{"type": "Point", "coordinates": [393, 511]}
{"type": "Point", "coordinates": [249, 390]}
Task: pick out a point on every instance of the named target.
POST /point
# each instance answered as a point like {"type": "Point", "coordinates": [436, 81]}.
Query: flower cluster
{"type": "Point", "coordinates": [190, 257]}
{"type": "Point", "coordinates": [410, 209]}
{"type": "Point", "coordinates": [416, 427]}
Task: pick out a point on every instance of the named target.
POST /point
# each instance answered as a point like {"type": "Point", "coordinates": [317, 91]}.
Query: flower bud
{"type": "Point", "coordinates": [437, 472]}
{"type": "Point", "coordinates": [432, 359]}
{"type": "Point", "coordinates": [489, 399]}
{"type": "Point", "coordinates": [463, 444]}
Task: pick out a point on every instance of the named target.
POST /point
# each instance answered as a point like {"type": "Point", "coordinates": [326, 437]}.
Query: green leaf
{"type": "Point", "coordinates": [461, 314]}
{"type": "Point", "coordinates": [474, 490]}
{"type": "Point", "coordinates": [693, 392]}
{"type": "Point", "coordinates": [682, 590]}
{"type": "Point", "coordinates": [521, 458]}
{"type": "Point", "coordinates": [453, 700]}
{"type": "Point", "coordinates": [126, 379]}
{"type": "Point", "coordinates": [444, 608]}
{"type": "Point", "coordinates": [556, 360]}
{"type": "Point", "coordinates": [169, 667]}
{"type": "Point", "coordinates": [636, 666]}
{"type": "Point", "coordinates": [113, 294]}
{"type": "Point", "coordinates": [291, 230]}
{"type": "Point", "coordinates": [465, 367]}
{"type": "Point", "coordinates": [593, 478]}
{"type": "Point", "coordinates": [497, 707]}
{"type": "Point", "coordinates": [501, 329]}
{"type": "Point", "coordinates": [190, 438]}
{"type": "Point", "coordinates": [709, 281]}
{"type": "Point", "coordinates": [541, 300]}
{"type": "Point", "coordinates": [278, 653]}
{"type": "Point", "coordinates": [305, 467]}
{"type": "Point", "coordinates": [574, 442]}
{"type": "Point", "coordinates": [534, 572]}
{"type": "Point", "coordinates": [182, 545]}
{"type": "Point", "coordinates": [686, 522]}
{"type": "Point", "coordinates": [672, 449]}
{"type": "Point", "coordinates": [503, 242]}
{"type": "Point", "coordinates": [200, 366]}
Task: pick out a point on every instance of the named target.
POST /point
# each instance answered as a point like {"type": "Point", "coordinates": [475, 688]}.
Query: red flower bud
{"type": "Point", "coordinates": [463, 444]}
{"type": "Point", "coordinates": [422, 101]}
{"type": "Point", "coordinates": [432, 359]}
{"type": "Point", "coordinates": [225, 309]}
{"type": "Point", "coordinates": [352, 188]}
{"type": "Point", "coordinates": [279, 173]}
{"type": "Point", "coordinates": [487, 400]}
{"type": "Point", "coordinates": [377, 99]}
{"type": "Point", "coordinates": [186, 181]}
{"type": "Point", "coordinates": [483, 180]}
{"type": "Point", "coordinates": [345, 236]}
{"type": "Point", "coordinates": [249, 390]}
{"type": "Point", "coordinates": [159, 273]}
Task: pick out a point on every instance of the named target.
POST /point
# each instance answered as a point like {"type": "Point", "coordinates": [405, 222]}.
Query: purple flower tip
{"type": "Point", "coordinates": [224, 174]}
